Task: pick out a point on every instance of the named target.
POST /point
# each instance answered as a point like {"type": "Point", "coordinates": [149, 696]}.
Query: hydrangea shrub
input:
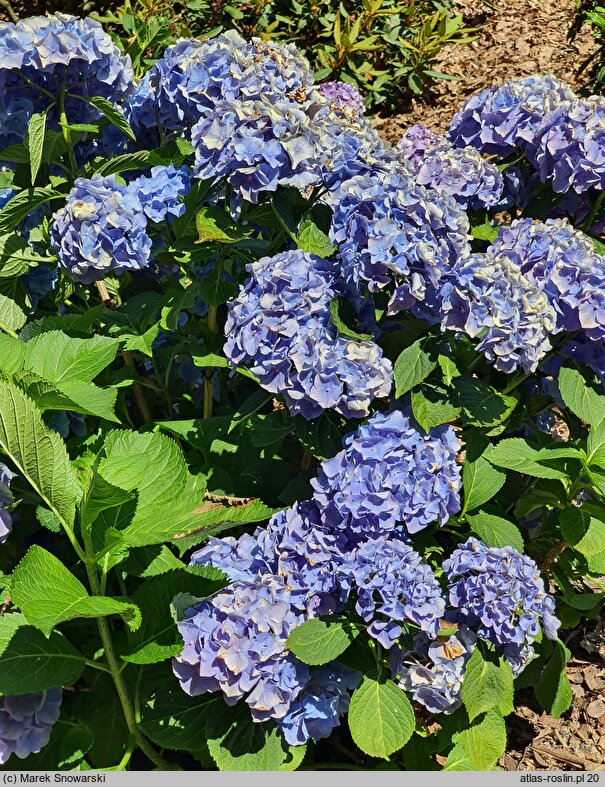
{"type": "Point", "coordinates": [295, 425]}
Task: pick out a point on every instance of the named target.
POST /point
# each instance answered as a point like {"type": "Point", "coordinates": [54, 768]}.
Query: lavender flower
{"type": "Point", "coordinates": [6, 499]}
{"type": "Point", "coordinates": [504, 117]}
{"type": "Point", "coordinates": [394, 233]}
{"type": "Point", "coordinates": [101, 230]}
{"type": "Point", "coordinates": [26, 721]}
{"type": "Point", "coordinates": [500, 594]}
{"type": "Point", "coordinates": [235, 642]}
{"type": "Point", "coordinates": [44, 56]}
{"type": "Point", "coordinates": [160, 193]}
{"type": "Point", "coordinates": [280, 326]}
{"type": "Point", "coordinates": [345, 95]}
{"type": "Point", "coordinates": [569, 146]}
{"type": "Point", "coordinates": [417, 141]}
{"type": "Point", "coordinates": [318, 708]}
{"type": "Point", "coordinates": [563, 263]}
{"type": "Point", "coordinates": [433, 672]}
{"type": "Point", "coordinates": [390, 473]}
{"type": "Point", "coordinates": [488, 296]}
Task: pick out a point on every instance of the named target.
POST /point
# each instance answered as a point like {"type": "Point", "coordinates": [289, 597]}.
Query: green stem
{"type": "Point", "coordinates": [208, 386]}
{"type": "Point", "coordinates": [593, 211]}
{"type": "Point", "coordinates": [67, 136]}
{"type": "Point", "coordinates": [96, 665]}
{"type": "Point", "coordinates": [8, 330]}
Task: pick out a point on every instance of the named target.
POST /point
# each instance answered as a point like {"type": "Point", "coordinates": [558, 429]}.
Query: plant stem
{"type": "Point", "coordinates": [67, 136]}
{"type": "Point", "coordinates": [208, 386]}
{"type": "Point", "coordinates": [8, 330]}
{"type": "Point", "coordinates": [593, 211]}
{"type": "Point", "coordinates": [9, 10]}
{"type": "Point", "coordinates": [137, 390]}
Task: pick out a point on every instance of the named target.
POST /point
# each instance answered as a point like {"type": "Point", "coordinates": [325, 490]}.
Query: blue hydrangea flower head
{"type": "Point", "coordinates": [345, 95]}
{"type": "Point", "coordinates": [389, 473]}
{"type": "Point", "coordinates": [500, 594]}
{"type": "Point", "coordinates": [392, 585]}
{"type": "Point", "coordinates": [569, 146]}
{"type": "Point", "coordinates": [102, 229]}
{"type": "Point", "coordinates": [160, 193]}
{"type": "Point", "coordinates": [193, 77]}
{"type": "Point", "coordinates": [6, 499]}
{"type": "Point", "coordinates": [504, 117]}
{"type": "Point", "coordinates": [26, 721]}
{"type": "Point", "coordinates": [563, 263]}
{"type": "Point", "coordinates": [433, 672]}
{"type": "Point", "coordinates": [235, 642]}
{"type": "Point", "coordinates": [318, 708]}
{"type": "Point", "coordinates": [42, 55]}
{"type": "Point", "coordinates": [394, 233]}
{"type": "Point", "coordinates": [279, 325]}
{"type": "Point", "coordinates": [487, 296]}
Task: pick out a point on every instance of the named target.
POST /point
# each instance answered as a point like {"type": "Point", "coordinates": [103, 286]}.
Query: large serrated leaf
{"type": "Point", "coordinates": [582, 392]}
{"type": "Point", "coordinates": [38, 452]}
{"type": "Point", "coordinates": [48, 594]}
{"type": "Point", "coordinates": [381, 718]}
{"type": "Point", "coordinates": [485, 685]}
{"type": "Point", "coordinates": [318, 641]}
{"type": "Point", "coordinates": [411, 367]}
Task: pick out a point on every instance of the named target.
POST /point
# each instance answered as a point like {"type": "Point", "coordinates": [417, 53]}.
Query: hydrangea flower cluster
{"type": "Point", "coordinates": [433, 672]}
{"type": "Point", "coordinates": [500, 593]}
{"type": "Point", "coordinates": [487, 296]}
{"type": "Point", "coordinates": [235, 642]}
{"type": "Point", "coordinates": [563, 263]}
{"type": "Point", "coordinates": [391, 231]}
{"type": "Point", "coordinates": [569, 146]}
{"type": "Point", "coordinates": [102, 229]}
{"type": "Point", "coordinates": [6, 499]}
{"type": "Point", "coordinates": [392, 582]}
{"type": "Point", "coordinates": [44, 55]}
{"type": "Point", "coordinates": [504, 117]}
{"type": "Point", "coordinates": [280, 326]}
{"type": "Point", "coordinates": [194, 77]}
{"type": "Point", "coordinates": [318, 708]}
{"type": "Point", "coordinates": [460, 172]}
{"type": "Point", "coordinates": [344, 95]}
{"type": "Point", "coordinates": [389, 473]}
{"type": "Point", "coordinates": [160, 193]}
{"type": "Point", "coordinates": [26, 721]}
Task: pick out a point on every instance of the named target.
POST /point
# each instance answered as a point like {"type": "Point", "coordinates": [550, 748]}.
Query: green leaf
{"type": "Point", "coordinates": [209, 359]}
{"type": "Point", "coordinates": [35, 142]}
{"type": "Point", "coordinates": [486, 685]}
{"type": "Point", "coordinates": [48, 594]}
{"type": "Point", "coordinates": [29, 661]}
{"type": "Point", "coordinates": [47, 519]}
{"type": "Point", "coordinates": [100, 496]}
{"type": "Point", "coordinates": [481, 404]}
{"type": "Point", "coordinates": [111, 111]}
{"type": "Point", "coordinates": [479, 747]}
{"type": "Point", "coordinates": [318, 641]}
{"type": "Point", "coordinates": [213, 289]}
{"type": "Point", "coordinates": [595, 448]}
{"type": "Point", "coordinates": [313, 240]}
{"type": "Point", "coordinates": [480, 481]}
{"type": "Point", "coordinates": [16, 256]}
{"type": "Point", "coordinates": [553, 690]}
{"type": "Point", "coordinates": [19, 206]}
{"type": "Point", "coordinates": [342, 328]}
{"type": "Point", "coordinates": [583, 527]}
{"type": "Point", "coordinates": [38, 452]}
{"type": "Point", "coordinates": [12, 315]}
{"type": "Point", "coordinates": [236, 743]}
{"type": "Point", "coordinates": [429, 413]}
{"type": "Point", "coordinates": [582, 392]}
{"type": "Point", "coordinates": [484, 231]}
{"type": "Point", "coordinates": [158, 637]}
{"type": "Point", "coordinates": [516, 454]}
{"type": "Point", "coordinates": [411, 367]}
{"type": "Point", "coordinates": [151, 561]}
{"type": "Point", "coordinates": [173, 720]}
{"type": "Point", "coordinates": [322, 436]}
{"type": "Point", "coordinates": [215, 225]}
{"type": "Point", "coordinates": [123, 163]}
{"type": "Point", "coordinates": [381, 718]}
{"type": "Point", "coordinates": [496, 531]}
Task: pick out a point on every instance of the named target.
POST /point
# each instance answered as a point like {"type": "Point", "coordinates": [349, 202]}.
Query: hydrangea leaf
{"type": "Point", "coordinates": [112, 112]}
{"type": "Point", "coordinates": [215, 225]}
{"type": "Point", "coordinates": [294, 758]}
{"type": "Point", "coordinates": [29, 661]}
{"type": "Point", "coordinates": [496, 531]}
{"type": "Point", "coordinates": [310, 238]}
{"type": "Point", "coordinates": [19, 206]}
{"type": "Point", "coordinates": [584, 528]}
{"type": "Point", "coordinates": [35, 142]}
{"type": "Point", "coordinates": [80, 397]}
{"type": "Point", "coordinates": [38, 452]}
{"type": "Point", "coordinates": [411, 367]}
{"type": "Point", "coordinates": [582, 393]}
{"type": "Point", "coordinates": [48, 594]}
{"type": "Point", "coordinates": [429, 413]}
{"type": "Point", "coordinates": [480, 481]}
{"type": "Point", "coordinates": [61, 358]}
{"type": "Point", "coordinates": [381, 718]}
{"type": "Point", "coordinates": [595, 448]}
{"type": "Point", "coordinates": [481, 404]}
{"type": "Point", "coordinates": [342, 328]}
{"type": "Point", "coordinates": [173, 720]}
{"type": "Point", "coordinates": [322, 436]}
{"type": "Point", "coordinates": [236, 743]}
{"type": "Point", "coordinates": [151, 561]}
{"type": "Point", "coordinates": [486, 685]}
{"type": "Point", "coordinates": [480, 746]}
{"type": "Point", "coordinates": [16, 256]}
{"type": "Point", "coordinates": [12, 316]}
{"type": "Point", "coordinates": [158, 637]}
{"type": "Point", "coordinates": [553, 690]}
{"type": "Point", "coordinates": [318, 641]}
{"type": "Point", "coordinates": [516, 454]}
